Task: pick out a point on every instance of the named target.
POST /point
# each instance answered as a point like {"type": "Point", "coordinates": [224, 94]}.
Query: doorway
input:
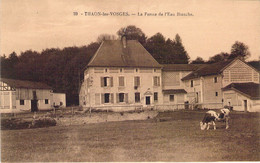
{"type": "Point", "coordinates": [34, 105]}
{"type": "Point", "coordinates": [148, 100]}
{"type": "Point", "coordinates": [245, 105]}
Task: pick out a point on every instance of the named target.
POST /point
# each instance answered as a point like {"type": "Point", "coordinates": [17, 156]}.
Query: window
{"type": "Point", "coordinates": [215, 79]}
{"type": "Point", "coordinates": [171, 97]}
{"type": "Point", "coordinates": [137, 81]}
{"type": "Point", "coordinates": [106, 97]}
{"type": "Point", "coordinates": [106, 81]}
{"type": "Point", "coordinates": [121, 70]}
{"type": "Point", "coordinates": [156, 81]}
{"type": "Point", "coordinates": [154, 70]}
{"type": "Point", "coordinates": [121, 97]}
{"type": "Point", "coordinates": [137, 97]}
{"type": "Point", "coordinates": [121, 80]}
{"type": "Point", "coordinates": [21, 102]}
{"type": "Point", "coordinates": [155, 96]}
{"type": "Point", "coordinates": [61, 103]}
{"type": "Point", "coordinates": [46, 101]}
{"type": "Point", "coordinates": [106, 70]}
{"type": "Point", "coordinates": [136, 70]}
{"type": "Point", "coordinates": [191, 83]}
{"type": "Point", "coordinates": [216, 93]}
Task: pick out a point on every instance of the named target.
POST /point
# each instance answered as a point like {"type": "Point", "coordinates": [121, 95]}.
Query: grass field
{"type": "Point", "coordinates": [172, 136]}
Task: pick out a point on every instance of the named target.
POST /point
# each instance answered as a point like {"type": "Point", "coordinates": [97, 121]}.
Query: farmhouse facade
{"type": "Point", "coordinates": [124, 75]}
{"type": "Point", "coordinates": [20, 95]}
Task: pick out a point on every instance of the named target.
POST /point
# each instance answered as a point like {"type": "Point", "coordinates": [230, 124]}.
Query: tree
{"type": "Point", "coordinates": [198, 60]}
{"type": "Point", "coordinates": [132, 33]}
{"type": "Point", "coordinates": [156, 46]}
{"type": "Point", "coordinates": [219, 57]}
{"type": "Point", "coordinates": [239, 49]}
{"type": "Point", "coordinates": [181, 54]}
{"type": "Point", "coordinates": [103, 37]}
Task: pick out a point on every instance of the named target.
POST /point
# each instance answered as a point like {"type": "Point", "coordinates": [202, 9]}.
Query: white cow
{"type": "Point", "coordinates": [212, 116]}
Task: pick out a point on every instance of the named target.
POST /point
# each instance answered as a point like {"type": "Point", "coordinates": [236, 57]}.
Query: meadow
{"type": "Point", "coordinates": [171, 136]}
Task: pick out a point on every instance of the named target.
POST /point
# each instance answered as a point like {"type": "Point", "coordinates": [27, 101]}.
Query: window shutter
{"type": "Point", "coordinates": [138, 81]}
{"type": "Point", "coordinates": [112, 98]}
{"type": "Point", "coordinates": [102, 98]}
{"type": "Point", "coordinates": [158, 82]}
{"type": "Point", "coordinates": [135, 82]}
{"type": "Point", "coordinates": [102, 81]}
{"type": "Point", "coordinates": [126, 97]}
{"type": "Point", "coordinates": [111, 81]}
{"type": "Point", "coordinates": [97, 98]}
{"type": "Point", "coordinates": [117, 98]}
{"type": "Point", "coordinates": [154, 81]}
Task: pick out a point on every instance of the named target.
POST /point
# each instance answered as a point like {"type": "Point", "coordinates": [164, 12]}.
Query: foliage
{"type": "Point", "coordinates": [239, 49]}
{"type": "Point", "coordinates": [219, 57]}
{"type": "Point", "coordinates": [198, 60]}
{"type": "Point", "coordinates": [132, 33]}
{"type": "Point", "coordinates": [167, 51]}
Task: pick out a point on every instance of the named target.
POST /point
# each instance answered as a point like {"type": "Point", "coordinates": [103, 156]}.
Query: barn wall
{"type": "Point", "coordinates": [239, 72]}
{"type": "Point", "coordinates": [236, 100]}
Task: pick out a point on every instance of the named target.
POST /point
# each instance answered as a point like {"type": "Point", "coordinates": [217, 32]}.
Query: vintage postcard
{"type": "Point", "coordinates": [129, 80]}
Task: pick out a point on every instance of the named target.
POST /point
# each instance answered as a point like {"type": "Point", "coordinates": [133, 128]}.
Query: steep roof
{"type": "Point", "coordinates": [251, 90]}
{"type": "Point", "coordinates": [211, 69]}
{"type": "Point", "coordinates": [111, 53]}
{"type": "Point", "coordinates": [182, 67]}
{"type": "Point", "coordinates": [25, 84]}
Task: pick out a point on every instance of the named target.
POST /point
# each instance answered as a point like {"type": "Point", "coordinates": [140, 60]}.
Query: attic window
{"type": "Point", "coordinates": [215, 79]}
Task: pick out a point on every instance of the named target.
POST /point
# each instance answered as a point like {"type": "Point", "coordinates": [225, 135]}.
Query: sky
{"type": "Point", "coordinates": [213, 27]}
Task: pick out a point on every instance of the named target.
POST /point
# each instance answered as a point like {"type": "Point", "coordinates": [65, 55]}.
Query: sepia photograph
{"type": "Point", "coordinates": [130, 80]}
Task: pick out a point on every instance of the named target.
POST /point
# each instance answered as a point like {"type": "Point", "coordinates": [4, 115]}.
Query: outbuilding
{"type": "Point", "coordinates": [242, 96]}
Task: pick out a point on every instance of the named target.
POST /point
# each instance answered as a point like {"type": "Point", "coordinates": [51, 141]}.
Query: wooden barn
{"type": "Point", "coordinates": [206, 83]}
{"type": "Point", "coordinates": [20, 95]}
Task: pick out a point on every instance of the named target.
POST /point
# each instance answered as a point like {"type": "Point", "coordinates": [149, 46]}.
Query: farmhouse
{"type": "Point", "coordinates": [124, 75]}
{"type": "Point", "coordinates": [20, 95]}
{"type": "Point", "coordinates": [205, 84]}
{"type": "Point", "coordinates": [121, 74]}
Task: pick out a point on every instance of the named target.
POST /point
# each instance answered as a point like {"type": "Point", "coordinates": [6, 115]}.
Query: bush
{"type": "Point", "coordinates": [19, 123]}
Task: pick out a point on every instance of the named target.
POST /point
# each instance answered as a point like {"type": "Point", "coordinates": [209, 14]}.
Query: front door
{"type": "Point", "coordinates": [245, 105]}
{"type": "Point", "coordinates": [34, 106]}
{"type": "Point", "coordinates": [147, 100]}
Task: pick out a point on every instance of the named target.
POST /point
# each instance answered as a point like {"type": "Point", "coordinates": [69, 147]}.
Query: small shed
{"type": "Point", "coordinates": [242, 96]}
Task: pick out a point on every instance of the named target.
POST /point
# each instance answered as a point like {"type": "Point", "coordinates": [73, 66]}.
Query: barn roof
{"type": "Point", "coordinates": [25, 84]}
{"type": "Point", "coordinates": [182, 67]}
{"type": "Point", "coordinates": [210, 69]}
{"type": "Point", "coordinates": [111, 53]}
{"type": "Point", "coordinates": [251, 90]}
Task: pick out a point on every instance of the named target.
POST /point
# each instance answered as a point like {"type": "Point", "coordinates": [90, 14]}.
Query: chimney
{"type": "Point", "coordinates": [123, 38]}
{"type": "Point", "coordinates": [124, 41]}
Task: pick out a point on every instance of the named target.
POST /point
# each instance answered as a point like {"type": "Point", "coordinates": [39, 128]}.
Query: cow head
{"type": "Point", "coordinates": [203, 126]}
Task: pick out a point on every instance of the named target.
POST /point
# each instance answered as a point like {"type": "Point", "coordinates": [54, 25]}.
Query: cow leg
{"type": "Point", "coordinates": [208, 124]}
{"type": "Point", "coordinates": [227, 125]}
{"type": "Point", "coordinates": [214, 124]}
